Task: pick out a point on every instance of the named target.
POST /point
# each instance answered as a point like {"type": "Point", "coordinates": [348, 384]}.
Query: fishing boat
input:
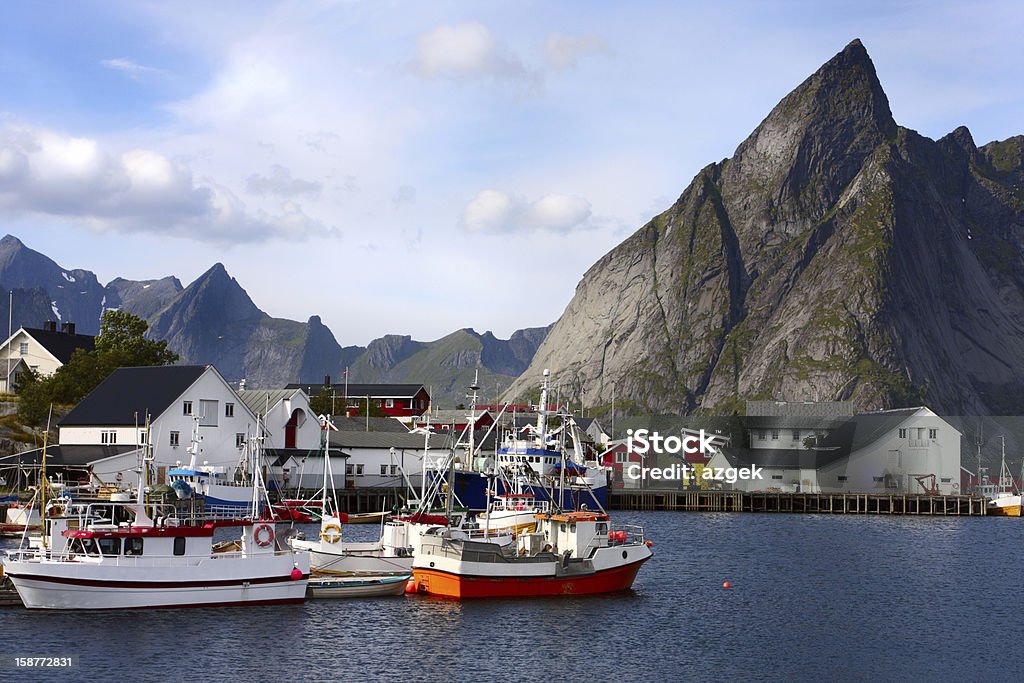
{"type": "Point", "coordinates": [327, 586]}
{"type": "Point", "coordinates": [571, 553]}
{"type": "Point", "coordinates": [1004, 498]}
{"type": "Point", "coordinates": [549, 464]}
{"type": "Point", "coordinates": [122, 555]}
{"type": "Point", "coordinates": [224, 497]}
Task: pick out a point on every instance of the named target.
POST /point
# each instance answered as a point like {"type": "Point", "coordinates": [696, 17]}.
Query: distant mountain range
{"type": "Point", "coordinates": [213, 320]}
{"type": "Point", "coordinates": [835, 255]}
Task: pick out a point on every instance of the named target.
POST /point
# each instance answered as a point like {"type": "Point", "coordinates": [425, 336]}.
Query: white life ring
{"type": "Point", "coordinates": [258, 535]}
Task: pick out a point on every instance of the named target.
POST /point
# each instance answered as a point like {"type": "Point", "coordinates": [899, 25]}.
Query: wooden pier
{"type": "Point", "coordinates": [807, 503]}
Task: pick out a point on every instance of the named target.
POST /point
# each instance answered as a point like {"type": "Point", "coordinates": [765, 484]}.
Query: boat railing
{"type": "Point", "coordinates": [486, 534]}
{"type": "Point", "coordinates": [625, 534]}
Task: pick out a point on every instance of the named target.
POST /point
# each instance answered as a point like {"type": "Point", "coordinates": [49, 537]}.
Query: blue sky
{"type": "Point", "coordinates": [398, 167]}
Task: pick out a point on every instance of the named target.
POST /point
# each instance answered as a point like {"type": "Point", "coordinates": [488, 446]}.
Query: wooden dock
{"type": "Point", "coordinates": [807, 503]}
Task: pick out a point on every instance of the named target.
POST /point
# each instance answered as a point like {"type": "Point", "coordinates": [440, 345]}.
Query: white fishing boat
{"type": "Point", "coordinates": [1004, 499]}
{"type": "Point", "coordinates": [118, 555]}
{"type": "Point", "coordinates": [368, 586]}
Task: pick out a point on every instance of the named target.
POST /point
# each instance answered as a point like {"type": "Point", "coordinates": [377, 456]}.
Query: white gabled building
{"type": "Point", "coordinates": [176, 398]}
{"type": "Point", "coordinates": [909, 450]}
{"type": "Point", "coordinates": [42, 350]}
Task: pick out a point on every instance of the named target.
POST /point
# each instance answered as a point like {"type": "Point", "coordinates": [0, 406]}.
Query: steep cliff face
{"type": "Point", "coordinates": [143, 298]}
{"type": "Point", "coordinates": [835, 255]}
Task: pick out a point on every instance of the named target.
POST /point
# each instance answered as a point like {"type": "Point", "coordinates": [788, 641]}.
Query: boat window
{"type": "Point", "coordinates": [133, 546]}
{"type": "Point", "coordinates": [179, 545]}
{"type": "Point", "coordinates": [602, 528]}
{"type": "Point", "coordinates": [110, 546]}
{"type": "Point", "coordinates": [562, 528]}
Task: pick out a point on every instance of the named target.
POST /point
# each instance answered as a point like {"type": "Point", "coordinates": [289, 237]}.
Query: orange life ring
{"type": "Point", "coordinates": [257, 535]}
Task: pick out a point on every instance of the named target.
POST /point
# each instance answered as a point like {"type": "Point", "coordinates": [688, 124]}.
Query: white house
{"type": "Point", "coordinates": [378, 459]}
{"type": "Point", "coordinates": [288, 420]}
{"type": "Point", "coordinates": [43, 350]}
{"type": "Point", "coordinates": [910, 450]}
{"type": "Point", "coordinates": [178, 399]}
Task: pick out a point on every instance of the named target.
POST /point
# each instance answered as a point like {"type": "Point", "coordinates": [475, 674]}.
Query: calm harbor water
{"type": "Point", "coordinates": [812, 598]}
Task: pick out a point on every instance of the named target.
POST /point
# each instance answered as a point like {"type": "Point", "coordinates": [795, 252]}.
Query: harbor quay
{"type": "Point", "coordinates": [807, 503]}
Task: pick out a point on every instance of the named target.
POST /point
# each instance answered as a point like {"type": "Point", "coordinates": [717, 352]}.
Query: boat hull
{"type": "Point", "coordinates": [81, 586]}
{"type": "Point", "coordinates": [352, 558]}
{"type": "Point", "coordinates": [357, 587]}
{"type": "Point", "coordinates": [451, 585]}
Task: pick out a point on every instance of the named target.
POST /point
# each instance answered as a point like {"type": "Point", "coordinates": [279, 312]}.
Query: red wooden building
{"type": "Point", "coordinates": [391, 400]}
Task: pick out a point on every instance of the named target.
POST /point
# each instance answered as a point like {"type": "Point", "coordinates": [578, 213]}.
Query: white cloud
{"type": "Point", "coordinates": [138, 191]}
{"type": "Point", "coordinates": [133, 69]}
{"type": "Point", "coordinates": [467, 50]}
{"type": "Point", "coordinates": [281, 182]}
{"type": "Point", "coordinates": [406, 194]}
{"type": "Point", "coordinates": [562, 51]}
{"type": "Point", "coordinates": [494, 211]}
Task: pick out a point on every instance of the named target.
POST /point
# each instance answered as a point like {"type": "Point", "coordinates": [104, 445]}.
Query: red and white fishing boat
{"type": "Point", "coordinates": [101, 562]}
{"type": "Point", "coordinates": [572, 553]}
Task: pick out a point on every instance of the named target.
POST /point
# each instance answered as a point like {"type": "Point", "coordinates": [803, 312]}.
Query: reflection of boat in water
{"type": "Point", "coordinates": [572, 553]}
{"type": "Point", "coordinates": [367, 586]}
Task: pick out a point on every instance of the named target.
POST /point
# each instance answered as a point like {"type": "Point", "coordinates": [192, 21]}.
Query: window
{"type": "Point", "coordinates": [349, 470]}
{"type": "Point", "coordinates": [776, 476]}
{"type": "Point", "coordinates": [108, 436]}
{"type": "Point", "coordinates": [878, 480]}
{"type": "Point", "coordinates": [933, 433]}
{"type": "Point", "coordinates": [394, 470]}
{"type": "Point", "coordinates": [775, 435]}
{"type": "Point", "coordinates": [175, 439]}
{"type": "Point", "coordinates": [389, 403]}
{"type": "Point", "coordinates": [23, 348]}
{"type": "Point", "coordinates": [142, 437]}
{"type": "Point", "coordinates": [239, 440]}
{"type": "Point", "coordinates": [186, 408]}
{"type": "Point", "coordinates": [133, 546]}
{"type": "Point", "coordinates": [903, 433]}
{"type": "Point", "coordinates": [229, 410]}
{"type": "Point", "coordinates": [359, 470]}
{"type": "Point", "coordinates": [946, 480]}
{"type": "Point", "coordinates": [109, 546]}
{"type": "Point", "coordinates": [796, 435]}
{"type": "Point", "coordinates": [762, 434]}
{"type": "Point", "coordinates": [179, 545]}
{"type": "Point", "coordinates": [207, 413]}
{"type": "Point", "coordinates": [383, 470]}
{"type": "Point", "coordinates": [841, 477]}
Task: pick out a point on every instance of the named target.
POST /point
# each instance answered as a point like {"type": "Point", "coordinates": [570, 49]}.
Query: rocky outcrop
{"type": "Point", "coordinates": [835, 255]}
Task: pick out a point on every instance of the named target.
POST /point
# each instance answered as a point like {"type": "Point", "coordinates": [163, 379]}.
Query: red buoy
{"type": "Point", "coordinates": [296, 574]}
{"type": "Point", "coordinates": [726, 585]}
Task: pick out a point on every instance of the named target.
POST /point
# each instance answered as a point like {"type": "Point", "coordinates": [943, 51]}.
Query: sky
{"type": "Point", "coordinates": [416, 168]}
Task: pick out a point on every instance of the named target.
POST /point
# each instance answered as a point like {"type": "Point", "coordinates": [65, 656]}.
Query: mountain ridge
{"type": "Point", "coordinates": [820, 261]}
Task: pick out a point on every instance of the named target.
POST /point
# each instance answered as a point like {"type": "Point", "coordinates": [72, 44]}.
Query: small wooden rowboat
{"type": "Point", "coordinates": [365, 517]}
{"type": "Point", "coordinates": [357, 586]}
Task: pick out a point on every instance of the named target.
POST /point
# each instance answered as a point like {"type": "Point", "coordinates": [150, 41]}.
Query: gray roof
{"type": "Point", "coordinates": [800, 408]}
{"type": "Point", "coordinates": [408, 440]}
{"type": "Point", "coordinates": [450, 416]}
{"type": "Point", "coordinates": [68, 455]}
{"type": "Point", "coordinates": [376, 424]}
{"type": "Point", "coordinates": [127, 394]}
{"type": "Point", "coordinates": [260, 401]}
